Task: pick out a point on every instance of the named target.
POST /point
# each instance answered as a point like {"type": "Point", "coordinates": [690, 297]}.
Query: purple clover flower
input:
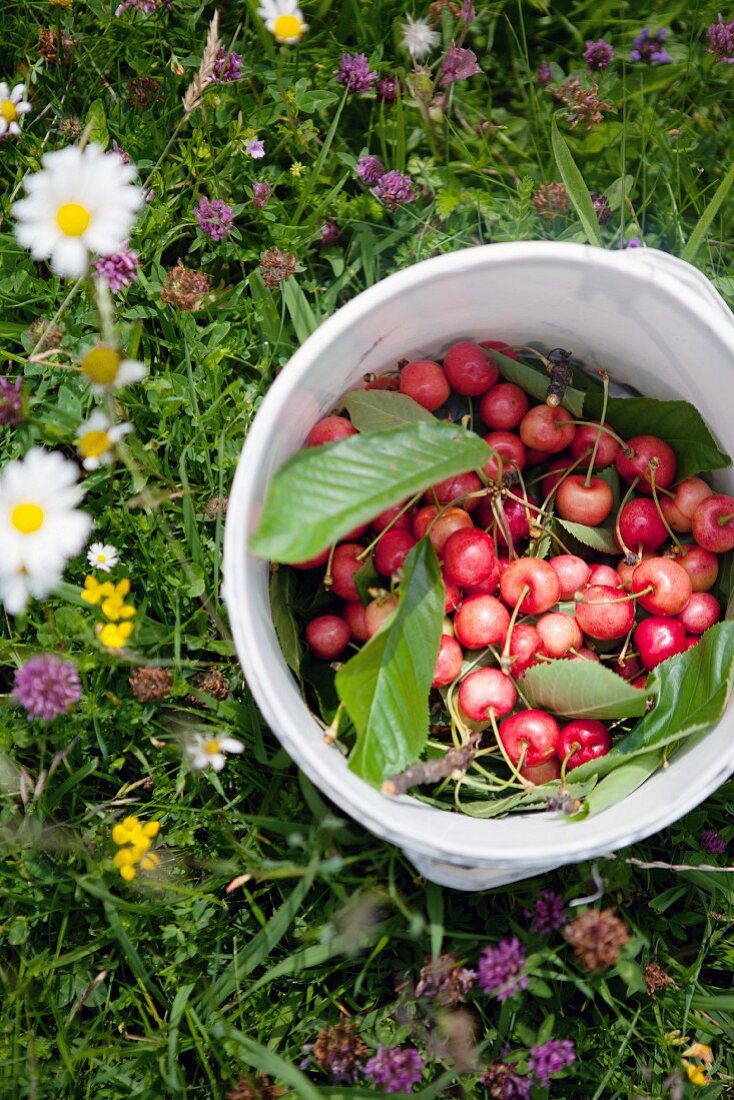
{"type": "Point", "coordinates": [46, 686]}
{"type": "Point", "coordinates": [712, 842]}
{"type": "Point", "coordinates": [118, 270]}
{"type": "Point", "coordinates": [630, 242]}
{"type": "Point", "coordinates": [261, 192]}
{"type": "Point", "coordinates": [468, 12]}
{"type": "Point", "coordinates": [147, 7]}
{"type": "Point", "coordinates": [394, 190]}
{"type": "Point", "coordinates": [370, 169]}
{"type": "Point", "coordinates": [598, 55]}
{"type": "Point", "coordinates": [355, 74]}
{"type": "Point", "coordinates": [329, 232]}
{"type": "Point", "coordinates": [215, 218]}
{"type": "Point", "coordinates": [500, 969]}
{"type": "Point", "coordinates": [386, 88]}
{"type": "Point", "coordinates": [602, 209]}
{"type": "Point", "coordinates": [124, 157]}
{"type": "Point", "coordinates": [228, 66]}
{"type": "Point", "coordinates": [11, 401]}
{"type": "Point", "coordinates": [395, 1069]}
{"type": "Point", "coordinates": [458, 64]}
{"type": "Point", "coordinates": [548, 913]}
{"type": "Point", "coordinates": [255, 149]}
{"type": "Point", "coordinates": [721, 40]}
{"type": "Point", "coordinates": [649, 48]}
{"type": "Point", "coordinates": [550, 1057]}
{"type": "Point", "coordinates": [543, 74]}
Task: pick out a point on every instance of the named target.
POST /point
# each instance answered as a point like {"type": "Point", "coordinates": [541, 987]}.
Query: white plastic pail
{"type": "Point", "coordinates": [653, 322]}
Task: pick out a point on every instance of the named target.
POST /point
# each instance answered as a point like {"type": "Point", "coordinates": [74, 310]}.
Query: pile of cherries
{"type": "Point", "coordinates": [507, 606]}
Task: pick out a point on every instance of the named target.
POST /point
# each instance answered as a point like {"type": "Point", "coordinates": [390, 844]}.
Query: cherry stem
{"type": "Point", "coordinates": [627, 552]}
{"type": "Point", "coordinates": [331, 733]}
{"type": "Point", "coordinates": [623, 650]}
{"type": "Point", "coordinates": [505, 661]}
{"type": "Point", "coordinates": [602, 418]}
{"type": "Point", "coordinates": [327, 581]}
{"type": "Point", "coordinates": [513, 768]}
{"type": "Point", "coordinates": [721, 520]}
{"type": "Point", "coordinates": [620, 599]}
{"type": "Point", "coordinates": [413, 500]}
{"type": "Point", "coordinates": [654, 490]}
{"type": "Point", "coordinates": [601, 428]}
{"type": "Point", "coordinates": [574, 748]}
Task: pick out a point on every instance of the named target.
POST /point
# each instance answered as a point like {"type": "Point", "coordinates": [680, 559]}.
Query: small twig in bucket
{"type": "Point", "coordinates": [561, 373]}
{"type": "Point", "coordinates": [455, 760]}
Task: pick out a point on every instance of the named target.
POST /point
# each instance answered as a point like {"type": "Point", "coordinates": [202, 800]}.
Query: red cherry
{"type": "Point", "coordinates": [604, 574]}
{"type": "Point", "coordinates": [511, 451]}
{"type": "Point", "coordinates": [641, 526]}
{"type": "Point", "coordinates": [559, 632]}
{"type": "Point", "coordinates": [526, 645]}
{"type": "Point", "coordinates": [354, 616]}
{"type": "Point", "coordinates": [542, 773]}
{"type": "Point", "coordinates": [634, 458]}
{"type": "Point", "coordinates": [392, 550]}
{"type": "Point", "coordinates": [586, 654]}
{"type": "Point", "coordinates": [658, 638]}
{"type": "Point", "coordinates": [625, 571]}
{"type": "Point", "coordinates": [546, 428]}
{"type": "Point", "coordinates": [516, 521]}
{"type": "Point", "coordinates": [713, 523]}
{"type": "Point", "coordinates": [582, 740]}
{"type": "Point", "coordinates": [448, 663]}
{"type": "Point", "coordinates": [534, 457]}
{"type": "Point", "coordinates": [426, 383]}
{"type": "Point", "coordinates": [344, 565]}
{"type": "Point", "coordinates": [581, 503]}
{"type": "Point", "coordinates": [584, 440]}
{"type": "Point", "coordinates": [701, 566]}
{"type": "Point", "coordinates": [700, 613]}
{"type": "Point", "coordinates": [600, 614]}
{"type": "Point", "coordinates": [627, 667]}
{"type": "Point", "coordinates": [329, 429]}
{"type": "Point", "coordinates": [457, 489]}
{"type": "Point", "coordinates": [572, 572]}
{"type": "Point", "coordinates": [469, 556]}
{"type": "Point", "coordinates": [481, 621]}
{"type": "Point", "coordinates": [314, 563]}
{"type": "Point", "coordinates": [690, 641]}
{"type": "Point", "coordinates": [671, 586]}
{"type": "Point", "coordinates": [486, 690]}
{"type": "Point", "coordinates": [392, 518]}
{"type": "Point", "coordinates": [469, 370]}
{"type": "Point", "coordinates": [378, 612]}
{"type": "Point", "coordinates": [384, 382]}
{"type": "Point", "coordinates": [504, 406]}
{"type": "Point", "coordinates": [500, 346]}
{"type": "Point", "coordinates": [452, 597]}
{"type": "Point", "coordinates": [327, 636]}
{"type": "Point", "coordinates": [541, 579]}
{"type": "Point", "coordinates": [678, 510]}
{"type": "Point", "coordinates": [534, 732]}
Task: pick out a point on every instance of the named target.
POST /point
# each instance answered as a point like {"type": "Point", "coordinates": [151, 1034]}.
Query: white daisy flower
{"type": "Point", "coordinates": [106, 369]}
{"type": "Point", "coordinates": [95, 440]}
{"type": "Point", "coordinates": [284, 20]}
{"type": "Point", "coordinates": [418, 37]}
{"type": "Point", "coordinates": [206, 752]}
{"type": "Point", "coordinates": [81, 201]}
{"type": "Point", "coordinates": [40, 525]}
{"type": "Point", "coordinates": [102, 556]}
{"type": "Point", "coordinates": [13, 106]}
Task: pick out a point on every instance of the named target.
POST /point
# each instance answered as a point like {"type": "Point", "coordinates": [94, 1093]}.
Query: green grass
{"type": "Point", "coordinates": [174, 987]}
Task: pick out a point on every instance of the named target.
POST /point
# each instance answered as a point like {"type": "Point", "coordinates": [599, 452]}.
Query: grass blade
{"type": "Point", "coordinates": [701, 228]}
{"type": "Point", "coordinates": [578, 192]}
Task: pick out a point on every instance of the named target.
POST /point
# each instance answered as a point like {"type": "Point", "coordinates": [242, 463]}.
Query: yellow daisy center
{"type": "Point", "coordinates": [288, 26]}
{"type": "Point", "coordinates": [101, 558]}
{"type": "Point", "coordinates": [94, 444]}
{"type": "Point", "coordinates": [27, 517]}
{"type": "Point", "coordinates": [101, 365]}
{"type": "Point", "coordinates": [73, 219]}
{"type": "Point", "coordinates": [8, 110]}
{"type": "Point", "coordinates": [211, 748]}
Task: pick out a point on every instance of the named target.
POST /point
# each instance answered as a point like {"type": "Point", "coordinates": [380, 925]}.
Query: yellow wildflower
{"type": "Point", "coordinates": [702, 1051]}
{"type": "Point", "coordinates": [114, 635]}
{"type": "Point", "coordinates": [93, 591]}
{"type": "Point", "coordinates": [297, 169]}
{"type": "Point", "coordinates": [128, 873]}
{"type": "Point", "coordinates": [695, 1074]}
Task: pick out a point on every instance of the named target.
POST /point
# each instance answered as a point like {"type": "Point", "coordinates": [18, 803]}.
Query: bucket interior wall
{"type": "Point", "coordinates": [608, 315]}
